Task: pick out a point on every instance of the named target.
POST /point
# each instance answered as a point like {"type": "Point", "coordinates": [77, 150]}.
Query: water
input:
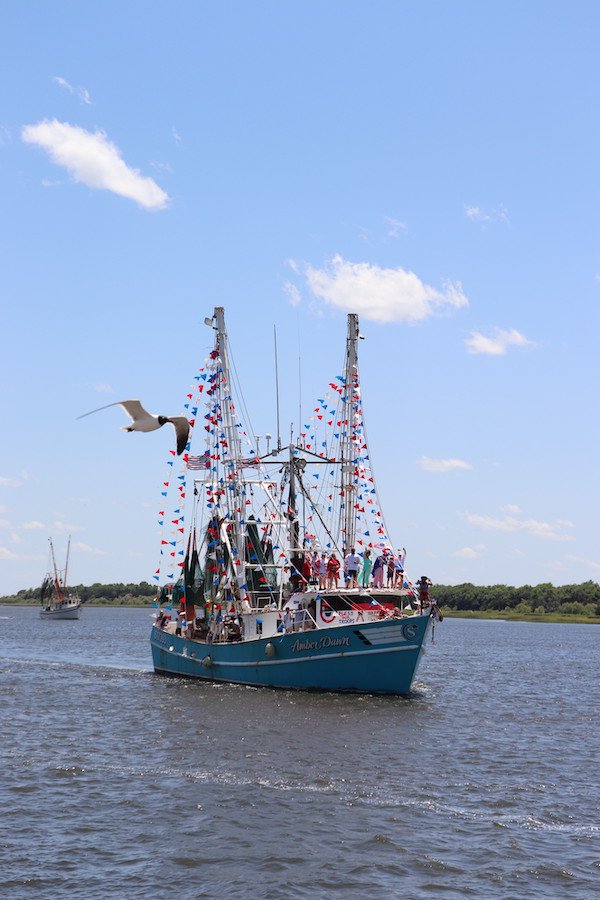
{"type": "Point", "coordinates": [117, 782]}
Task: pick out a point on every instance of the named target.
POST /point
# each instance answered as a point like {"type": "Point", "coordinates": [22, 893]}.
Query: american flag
{"type": "Point", "coordinates": [198, 462]}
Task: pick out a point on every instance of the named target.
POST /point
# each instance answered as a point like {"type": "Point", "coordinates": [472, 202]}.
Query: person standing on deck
{"type": "Point", "coordinates": [322, 571]}
{"type": "Point", "coordinates": [288, 620]}
{"type": "Point", "coordinates": [315, 563]}
{"type": "Point", "coordinates": [424, 583]}
{"type": "Point", "coordinates": [399, 568]}
{"type": "Point", "coordinates": [306, 571]}
{"type": "Point", "coordinates": [351, 564]}
{"type": "Point", "coordinates": [378, 567]}
{"type": "Point", "coordinates": [365, 572]}
{"type": "Point", "coordinates": [389, 573]}
{"type": "Point", "coordinates": [333, 571]}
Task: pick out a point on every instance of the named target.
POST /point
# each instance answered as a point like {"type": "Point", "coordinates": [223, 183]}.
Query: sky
{"type": "Point", "coordinates": [430, 166]}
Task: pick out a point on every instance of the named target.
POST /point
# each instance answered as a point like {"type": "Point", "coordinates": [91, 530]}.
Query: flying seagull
{"type": "Point", "coordinates": [141, 420]}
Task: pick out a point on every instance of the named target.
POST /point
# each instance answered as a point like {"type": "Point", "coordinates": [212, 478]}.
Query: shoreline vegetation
{"type": "Point", "coordinates": [571, 603]}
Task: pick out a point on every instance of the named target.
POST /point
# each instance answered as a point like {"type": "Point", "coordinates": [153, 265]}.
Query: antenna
{"type": "Point", "coordinates": [299, 380]}
{"type": "Point", "coordinates": [277, 386]}
{"type": "Point", "coordinates": [299, 394]}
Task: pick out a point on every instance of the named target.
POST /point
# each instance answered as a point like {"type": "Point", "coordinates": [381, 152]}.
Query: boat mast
{"type": "Point", "coordinates": [347, 444]}
{"type": "Point", "coordinates": [296, 556]}
{"type": "Point", "coordinates": [67, 563]}
{"type": "Point", "coordinates": [57, 587]}
{"type": "Point", "coordinates": [235, 499]}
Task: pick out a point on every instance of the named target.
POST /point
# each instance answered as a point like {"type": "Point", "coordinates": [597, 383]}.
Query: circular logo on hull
{"type": "Point", "coordinates": [409, 631]}
{"type": "Point", "coordinates": [327, 615]}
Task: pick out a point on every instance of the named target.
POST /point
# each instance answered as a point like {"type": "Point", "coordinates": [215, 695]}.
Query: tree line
{"type": "Point", "coordinates": [568, 599]}
{"type": "Point", "coordinates": [94, 593]}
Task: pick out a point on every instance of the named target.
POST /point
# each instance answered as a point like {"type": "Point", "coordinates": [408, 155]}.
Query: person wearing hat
{"type": "Point", "coordinates": [424, 583]}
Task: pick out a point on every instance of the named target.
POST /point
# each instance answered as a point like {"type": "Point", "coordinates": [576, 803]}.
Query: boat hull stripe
{"type": "Point", "coordinates": [297, 659]}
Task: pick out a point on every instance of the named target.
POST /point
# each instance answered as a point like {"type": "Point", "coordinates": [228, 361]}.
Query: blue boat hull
{"type": "Point", "coordinates": [377, 657]}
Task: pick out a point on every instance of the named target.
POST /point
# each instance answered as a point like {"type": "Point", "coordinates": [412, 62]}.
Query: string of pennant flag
{"type": "Point", "coordinates": [224, 493]}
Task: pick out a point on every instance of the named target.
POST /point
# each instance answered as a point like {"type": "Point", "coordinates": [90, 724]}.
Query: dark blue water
{"type": "Point", "coordinates": [119, 783]}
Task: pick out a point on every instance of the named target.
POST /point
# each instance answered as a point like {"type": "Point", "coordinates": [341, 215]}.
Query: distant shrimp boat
{"type": "Point", "coordinates": [57, 602]}
{"type": "Point", "coordinates": [242, 603]}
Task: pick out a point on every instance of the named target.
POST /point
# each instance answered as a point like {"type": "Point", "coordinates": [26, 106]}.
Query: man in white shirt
{"type": "Point", "coordinates": [351, 567]}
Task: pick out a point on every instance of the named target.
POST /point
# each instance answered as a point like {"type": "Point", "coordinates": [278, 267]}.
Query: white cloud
{"type": "Point", "coordinates": [103, 388]}
{"type": "Point", "coordinates": [293, 294]}
{"type": "Point", "coordinates": [64, 526]}
{"type": "Point", "coordinates": [85, 548]}
{"type": "Point", "coordinates": [93, 160]}
{"type": "Point", "coordinates": [162, 167]}
{"type": "Point", "coordinates": [13, 482]}
{"type": "Point", "coordinates": [477, 214]}
{"type": "Point", "coordinates": [5, 553]}
{"type": "Point", "coordinates": [395, 227]}
{"type": "Point", "coordinates": [33, 526]}
{"type": "Point", "coordinates": [176, 135]}
{"type": "Point", "coordinates": [511, 508]}
{"type": "Point", "coordinates": [470, 552]}
{"type": "Point", "coordinates": [442, 465]}
{"type": "Point", "coordinates": [547, 531]}
{"type": "Point", "coordinates": [80, 92]}
{"type": "Point", "coordinates": [383, 295]}
{"type": "Point", "coordinates": [581, 560]}
{"type": "Point", "coordinates": [497, 345]}
{"type": "Point", "coordinates": [556, 567]}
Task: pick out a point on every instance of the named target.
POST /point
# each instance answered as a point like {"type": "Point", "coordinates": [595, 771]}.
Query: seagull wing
{"type": "Point", "coordinates": [133, 408]}
{"type": "Point", "coordinates": [118, 403]}
{"type": "Point", "coordinates": [182, 430]}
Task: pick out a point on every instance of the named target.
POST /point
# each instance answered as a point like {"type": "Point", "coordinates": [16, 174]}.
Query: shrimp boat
{"type": "Point", "coordinates": [243, 599]}
{"type": "Point", "coordinates": [57, 602]}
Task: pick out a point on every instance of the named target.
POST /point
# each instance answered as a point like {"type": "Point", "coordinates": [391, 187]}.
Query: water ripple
{"type": "Point", "coordinates": [118, 782]}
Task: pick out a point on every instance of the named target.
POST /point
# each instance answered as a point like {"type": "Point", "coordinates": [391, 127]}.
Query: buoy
{"type": "Point", "coordinates": [207, 662]}
{"type": "Point", "coordinates": [270, 649]}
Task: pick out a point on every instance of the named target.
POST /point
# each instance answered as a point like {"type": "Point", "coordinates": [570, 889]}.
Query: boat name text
{"type": "Point", "coordinates": [322, 644]}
